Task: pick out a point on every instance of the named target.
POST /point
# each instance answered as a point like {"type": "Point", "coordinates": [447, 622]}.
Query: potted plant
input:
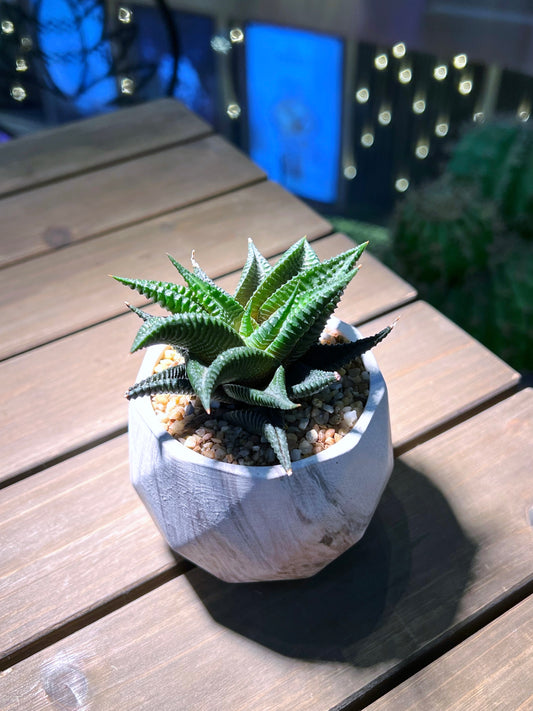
{"type": "Point", "coordinates": [261, 365]}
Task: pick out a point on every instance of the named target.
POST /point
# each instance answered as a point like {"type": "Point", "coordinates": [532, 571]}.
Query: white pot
{"type": "Point", "coordinates": [249, 523]}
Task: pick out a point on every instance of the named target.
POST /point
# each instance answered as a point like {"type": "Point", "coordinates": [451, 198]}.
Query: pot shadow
{"type": "Point", "coordinates": [391, 593]}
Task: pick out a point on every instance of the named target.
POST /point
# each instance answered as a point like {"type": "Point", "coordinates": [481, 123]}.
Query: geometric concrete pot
{"type": "Point", "coordinates": [250, 523]}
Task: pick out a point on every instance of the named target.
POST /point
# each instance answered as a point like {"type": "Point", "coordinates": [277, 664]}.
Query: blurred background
{"type": "Point", "coordinates": [406, 123]}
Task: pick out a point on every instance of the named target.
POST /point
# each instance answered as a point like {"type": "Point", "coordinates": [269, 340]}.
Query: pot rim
{"type": "Point", "coordinates": [142, 406]}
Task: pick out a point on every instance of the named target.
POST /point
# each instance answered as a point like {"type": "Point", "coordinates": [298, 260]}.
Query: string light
{"type": "Point", "coordinates": [419, 105]}
{"type": "Point", "coordinates": [405, 75]}
{"type": "Point", "coordinates": [422, 151]}
{"type": "Point", "coordinates": [401, 185]}
{"type": "Point", "coordinates": [125, 15]}
{"type": "Point", "coordinates": [233, 110]}
{"type": "Point", "coordinates": [381, 61]}
{"type": "Point", "coordinates": [440, 72]}
{"type": "Point", "coordinates": [236, 35]}
{"type": "Point", "coordinates": [21, 65]}
{"type": "Point", "coordinates": [524, 111]}
{"type": "Point", "coordinates": [18, 92]}
{"type": "Point", "coordinates": [362, 95]}
{"type": "Point", "coordinates": [7, 27]}
{"type": "Point", "coordinates": [367, 139]}
{"type": "Point", "coordinates": [460, 61]}
{"type": "Point", "coordinates": [127, 85]}
{"type": "Point", "coordinates": [465, 86]}
{"type": "Point", "coordinates": [478, 117]}
{"type": "Point", "coordinates": [441, 129]}
{"type": "Point", "coordinates": [399, 50]}
{"type": "Point", "coordinates": [384, 117]}
{"type": "Point", "coordinates": [350, 171]}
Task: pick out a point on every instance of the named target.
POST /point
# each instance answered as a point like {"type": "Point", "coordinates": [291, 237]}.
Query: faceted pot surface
{"type": "Point", "coordinates": [244, 523]}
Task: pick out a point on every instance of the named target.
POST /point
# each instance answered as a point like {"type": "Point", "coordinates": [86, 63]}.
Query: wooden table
{"type": "Point", "coordinates": [431, 610]}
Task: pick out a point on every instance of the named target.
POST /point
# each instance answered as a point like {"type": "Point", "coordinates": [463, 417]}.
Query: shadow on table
{"type": "Point", "coordinates": [396, 589]}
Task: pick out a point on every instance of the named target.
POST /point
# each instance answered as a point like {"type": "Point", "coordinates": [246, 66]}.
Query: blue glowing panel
{"type": "Point", "coordinates": [294, 86]}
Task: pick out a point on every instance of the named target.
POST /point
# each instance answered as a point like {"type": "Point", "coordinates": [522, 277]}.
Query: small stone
{"type": "Point", "coordinates": [311, 436]}
{"type": "Point", "coordinates": [191, 442]}
{"type": "Point", "coordinates": [305, 447]}
{"type": "Point", "coordinates": [296, 455]}
{"type": "Point", "coordinates": [302, 424]}
{"type": "Point", "coordinates": [350, 418]}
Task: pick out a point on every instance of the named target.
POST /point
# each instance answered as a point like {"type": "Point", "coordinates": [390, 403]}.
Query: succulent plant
{"type": "Point", "coordinates": [257, 349]}
{"type": "Point", "coordinates": [498, 158]}
{"type": "Point", "coordinates": [442, 232]}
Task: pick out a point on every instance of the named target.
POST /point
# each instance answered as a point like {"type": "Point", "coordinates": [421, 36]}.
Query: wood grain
{"type": "Point", "coordinates": [450, 538]}
{"type": "Point", "coordinates": [491, 670]}
{"type": "Point", "coordinates": [72, 537]}
{"type": "Point", "coordinates": [90, 204]}
{"type": "Point", "coordinates": [434, 371]}
{"type": "Point", "coordinates": [87, 144]}
{"type": "Point", "coordinates": [70, 288]}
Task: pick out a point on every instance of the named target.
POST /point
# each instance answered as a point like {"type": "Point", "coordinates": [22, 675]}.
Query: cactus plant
{"type": "Point", "coordinates": [443, 231]}
{"type": "Point", "coordinates": [498, 158]}
{"type": "Point", "coordinates": [257, 350]}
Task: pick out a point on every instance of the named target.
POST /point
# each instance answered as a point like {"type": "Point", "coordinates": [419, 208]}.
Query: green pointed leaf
{"type": "Point", "coordinates": [275, 395]}
{"type": "Point", "coordinates": [171, 380]}
{"type": "Point", "coordinates": [312, 279]}
{"type": "Point", "coordinates": [248, 324]}
{"type": "Point", "coordinates": [253, 273]}
{"type": "Point", "coordinates": [173, 297]}
{"type": "Point", "coordinates": [214, 300]}
{"type": "Point", "coordinates": [241, 364]}
{"type": "Point", "coordinates": [310, 258]}
{"type": "Point", "coordinates": [268, 424]}
{"type": "Point", "coordinates": [199, 272]}
{"type": "Point", "coordinates": [306, 322]}
{"type": "Point", "coordinates": [336, 356]}
{"type": "Point", "coordinates": [310, 381]}
{"type": "Point", "coordinates": [289, 264]}
{"type": "Point", "coordinates": [263, 336]}
{"type": "Point", "coordinates": [142, 314]}
{"type": "Point", "coordinates": [203, 336]}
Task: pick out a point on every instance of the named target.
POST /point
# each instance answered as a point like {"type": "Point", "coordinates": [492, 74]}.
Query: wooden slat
{"type": "Point", "coordinates": [66, 211]}
{"type": "Point", "coordinates": [69, 289]}
{"type": "Point", "coordinates": [435, 372]}
{"type": "Point", "coordinates": [72, 537]}
{"type": "Point", "coordinates": [450, 538]}
{"type": "Point", "coordinates": [375, 289]}
{"type": "Point", "coordinates": [82, 145]}
{"type": "Point", "coordinates": [491, 670]}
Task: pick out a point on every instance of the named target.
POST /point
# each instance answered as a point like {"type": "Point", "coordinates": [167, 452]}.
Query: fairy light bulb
{"type": "Point", "coordinates": [422, 150]}
{"type": "Point", "coordinates": [350, 171]}
{"type": "Point", "coordinates": [21, 65]}
{"type": "Point", "coordinates": [440, 72]}
{"type": "Point", "coordinates": [127, 86]}
{"type": "Point", "coordinates": [367, 139]}
{"type": "Point", "coordinates": [7, 27]}
{"type": "Point", "coordinates": [233, 110]}
{"type": "Point", "coordinates": [399, 50]}
{"type": "Point", "coordinates": [465, 86]}
{"type": "Point", "coordinates": [419, 105]}
{"type": "Point", "coordinates": [405, 75]}
{"type": "Point", "coordinates": [460, 61]}
{"type": "Point", "coordinates": [381, 61]}
{"type": "Point", "coordinates": [401, 184]}
{"type": "Point", "coordinates": [523, 112]}
{"type": "Point", "coordinates": [236, 35]}
{"type": "Point", "coordinates": [125, 15]}
{"type": "Point", "coordinates": [441, 129]}
{"type": "Point", "coordinates": [362, 95]}
{"type": "Point", "coordinates": [18, 92]}
{"type": "Point", "coordinates": [384, 117]}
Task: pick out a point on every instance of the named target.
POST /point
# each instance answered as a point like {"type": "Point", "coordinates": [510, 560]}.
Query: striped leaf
{"type": "Point", "coordinates": [171, 380]}
{"type": "Point", "coordinates": [336, 356]}
{"type": "Point", "coordinates": [203, 336]}
{"type": "Point", "coordinates": [241, 364]}
{"type": "Point", "coordinates": [312, 381]}
{"type": "Point", "coordinates": [263, 336]}
{"type": "Point", "coordinates": [307, 320]}
{"type": "Point", "coordinates": [214, 301]}
{"type": "Point", "coordinates": [288, 266]}
{"type": "Point", "coordinates": [173, 297]}
{"type": "Point", "coordinates": [310, 258]}
{"type": "Point", "coordinates": [274, 395]}
{"type": "Point", "coordinates": [254, 272]}
{"type": "Point", "coordinates": [267, 423]}
{"type": "Point", "coordinates": [312, 279]}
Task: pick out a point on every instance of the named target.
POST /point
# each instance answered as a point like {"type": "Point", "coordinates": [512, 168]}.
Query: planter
{"type": "Point", "coordinates": [259, 523]}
